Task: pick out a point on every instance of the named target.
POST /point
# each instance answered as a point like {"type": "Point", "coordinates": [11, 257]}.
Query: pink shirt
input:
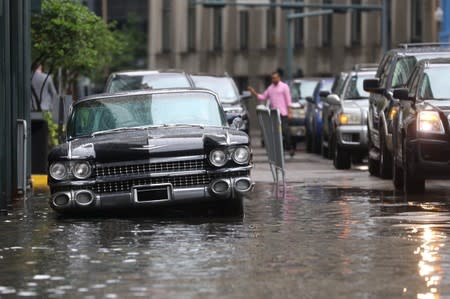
{"type": "Point", "coordinates": [279, 96]}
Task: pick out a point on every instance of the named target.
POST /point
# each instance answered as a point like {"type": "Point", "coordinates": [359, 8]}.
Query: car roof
{"type": "Point", "coordinates": [308, 79]}
{"type": "Point", "coordinates": [209, 75]}
{"type": "Point", "coordinates": [145, 92]}
{"type": "Point", "coordinates": [420, 49]}
{"type": "Point", "coordinates": [148, 72]}
{"type": "Point", "coordinates": [441, 60]}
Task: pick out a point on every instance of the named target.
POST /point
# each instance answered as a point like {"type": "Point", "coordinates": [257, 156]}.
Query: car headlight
{"type": "Point", "coordinates": [430, 122]}
{"type": "Point", "coordinates": [241, 155]}
{"type": "Point", "coordinates": [58, 171]}
{"type": "Point", "coordinates": [218, 158]}
{"type": "Point", "coordinates": [349, 118]}
{"type": "Point", "coordinates": [81, 170]}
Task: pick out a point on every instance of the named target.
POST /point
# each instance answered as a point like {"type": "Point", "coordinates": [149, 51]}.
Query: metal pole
{"type": "Point", "coordinates": [289, 47]}
{"type": "Point", "coordinates": [384, 26]}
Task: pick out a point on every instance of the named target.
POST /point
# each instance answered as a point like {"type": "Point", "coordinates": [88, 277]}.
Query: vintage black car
{"type": "Point", "coordinates": [421, 134]}
{"type": "Point", "coordinates": [149, 148]}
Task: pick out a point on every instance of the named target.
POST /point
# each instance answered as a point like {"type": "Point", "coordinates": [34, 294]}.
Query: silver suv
{"type": "Point", "coordinates": [348, 126]}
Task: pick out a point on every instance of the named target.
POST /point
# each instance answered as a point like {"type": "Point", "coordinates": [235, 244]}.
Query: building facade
{"type": "Point", "coordinates": [248, 42]}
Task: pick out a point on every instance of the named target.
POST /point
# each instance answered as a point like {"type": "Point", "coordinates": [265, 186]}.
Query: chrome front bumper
{"type": "Point", "coordinates": [85, 199]}
{"type": "Point", "coordinates": [352, 136]}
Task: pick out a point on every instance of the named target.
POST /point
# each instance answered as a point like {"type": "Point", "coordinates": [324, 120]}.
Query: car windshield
{"type": "Point", "coordinates": [123, 82]}
{"type": "Point", "coordinates": [327, 84]}
{"type": "Point", "coordinates": [223, 86]}
{"type": "Point", "coordinates": [355, 90]}
{"type": "Point", "coordinates": [302, 89]}
{"type": "Point", "coordinates": [140, 111]}
{"type": "Point", "coordinates": [434, 83]}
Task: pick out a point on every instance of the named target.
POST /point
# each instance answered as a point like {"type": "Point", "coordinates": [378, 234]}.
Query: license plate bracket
{"type": "Point", "coordinates": [152, 193]}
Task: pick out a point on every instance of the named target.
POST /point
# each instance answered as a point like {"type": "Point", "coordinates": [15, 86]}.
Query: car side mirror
{"type": "Point", "coordinates": [373, 85]}
{"type": "Point", "coordinates": [310, 100]}
{"type": "Point", "coordinates": [332, 99]}
{"type": "Point", "coordinates": [324, 93]}
{"type": "Point", "coordinates": [246, 95]}
{"type": "Point", "coordinates": [237, 123]}
{"type": "Point", "coordinates": [402, 94]}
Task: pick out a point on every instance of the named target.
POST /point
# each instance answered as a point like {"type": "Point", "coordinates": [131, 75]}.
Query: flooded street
{"type": "Point", "coordinates": [318, 242]}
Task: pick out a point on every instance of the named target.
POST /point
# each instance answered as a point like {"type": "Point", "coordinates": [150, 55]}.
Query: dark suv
{"type": "Point", "coordinates": [393, 72]}
{"type": "Point", "coordinates": [421, 134]}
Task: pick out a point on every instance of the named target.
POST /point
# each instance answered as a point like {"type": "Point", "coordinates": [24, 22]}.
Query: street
{"type": "Point", "coordinates": [336, 234]}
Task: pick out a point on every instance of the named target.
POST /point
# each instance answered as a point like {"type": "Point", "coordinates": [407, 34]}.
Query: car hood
{"type": "Point", "coordinates": [443, 105]}
{"type": "Point", "coordinates": [362, 104]}
{"type": "Point", "coordinates": [148, 143]}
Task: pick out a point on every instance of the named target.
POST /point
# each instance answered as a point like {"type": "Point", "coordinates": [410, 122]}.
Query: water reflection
{"type": "Point", "coordinates": [317, 241]}
{"type": "Point", "coordinates": [429, 265]}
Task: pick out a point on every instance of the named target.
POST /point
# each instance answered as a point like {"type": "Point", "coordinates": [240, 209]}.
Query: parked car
{"type": "Point", "coordinates": [348, 128]}
{"type": "Point", "coordinates": [327, 114]}
{"type": "Point", "coordinates": [149, 148]}
{"type": "Point", "coordinates": [421, 135]}
{"type": "Point", "coordinates": [154, 79]}
{"type": "Point", "coordinates": [300, 90]}
{"type": "Point", "coordinates": [314, 115]}
{"type": "Point", "coordinates": [393, 72]}
{"type": "Point", "coordinates": [232, 102]}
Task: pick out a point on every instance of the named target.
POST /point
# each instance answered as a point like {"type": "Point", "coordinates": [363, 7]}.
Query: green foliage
{"type": "Point", "coordinates": [67, 35]}
{"type": "Point", "coordinates": [52, 129]}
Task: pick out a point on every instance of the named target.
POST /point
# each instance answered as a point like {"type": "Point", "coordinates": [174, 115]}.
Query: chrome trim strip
{"type": "Point", "coordinates": [228, 170]}
{"type": "Point", "coordinates": [153, 160]}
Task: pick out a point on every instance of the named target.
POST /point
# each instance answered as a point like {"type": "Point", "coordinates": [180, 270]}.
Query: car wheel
{"type": "Point", "coordinates": [397, 173]}
{"type": "Point", "coordinates": [325, 149]}
{"type": "Point", "coordinates": [373, 165]}
{"type": "Point", "coordinates": [316, 146]}
{"type": "Point", "coordinates": [385, 158]}
{"type": "Point", "coordinates": [232, 207]}
{"type": "Point", "coordinates": [411, 183]}
{"type": "Point", "coordinates": [342, 158]}
{"type": "Point", "coordinates": [308, 141]}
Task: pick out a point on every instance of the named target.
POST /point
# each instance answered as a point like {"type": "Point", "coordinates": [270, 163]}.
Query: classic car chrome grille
{"type": "Point", "coordinates": [144, 168]}
{"type": "Point", "coordinates": [180, 181]}
{"type": "Point", "coordinates": [177, 181]}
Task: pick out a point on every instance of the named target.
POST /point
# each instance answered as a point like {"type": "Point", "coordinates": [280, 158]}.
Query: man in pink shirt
{"type": "Point", "coordinates": [279, 96]}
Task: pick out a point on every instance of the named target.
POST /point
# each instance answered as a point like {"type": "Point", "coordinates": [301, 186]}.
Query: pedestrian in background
{"type": "Point", "coordinates": [43, 92]}
{"type": "Point", "coordinates": [279, 96]}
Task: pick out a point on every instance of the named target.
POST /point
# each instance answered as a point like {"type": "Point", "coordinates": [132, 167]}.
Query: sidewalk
{"type": "Point", "coordinates": [312, 169]}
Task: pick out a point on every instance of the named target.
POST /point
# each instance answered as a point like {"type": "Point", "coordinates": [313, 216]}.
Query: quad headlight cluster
{"type": "Point", "coordinates": [220, 157]}
{"type": "Point", "coordinates": [430, 122]}
{"type": "Point", "coordinates": [62, 170]}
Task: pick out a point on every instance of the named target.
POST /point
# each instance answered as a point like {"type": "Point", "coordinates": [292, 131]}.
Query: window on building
{"type": "Point", "coordinates": [298, 29]}
{"type": "Point", "coordinates": [244, 29]}
{"type": "Point", "coordinates": [327, 27]}
{"type": "Point", "coordinates": [356, 25]}
{"type": "Point", "coordinates": [166, 25]}
{"type": "Point", "coordinates": [271, 25]}
{"type": "Point", "coordinates": [192, 26]}
{"type": "Point", "coordinates": [416, 20]}
{"type": "Point", "coordinates": [217, 38]}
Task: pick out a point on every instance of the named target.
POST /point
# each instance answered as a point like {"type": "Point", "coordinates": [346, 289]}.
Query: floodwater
{"type": "Point", "coordinates": [318, 242]}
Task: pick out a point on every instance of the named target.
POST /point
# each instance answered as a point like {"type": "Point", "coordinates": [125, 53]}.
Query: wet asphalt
{"type": "Point", "coordinates": [331, 235]}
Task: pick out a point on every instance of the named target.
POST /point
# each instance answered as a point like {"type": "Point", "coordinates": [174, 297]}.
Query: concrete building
{"type": "Point", "coordinates": [249, 43]}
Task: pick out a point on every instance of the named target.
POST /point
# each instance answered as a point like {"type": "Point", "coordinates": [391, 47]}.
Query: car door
{"type": "Point", "coordinates": [405, 109]}
{"type": "Point", "coordinates": [374, 99]}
